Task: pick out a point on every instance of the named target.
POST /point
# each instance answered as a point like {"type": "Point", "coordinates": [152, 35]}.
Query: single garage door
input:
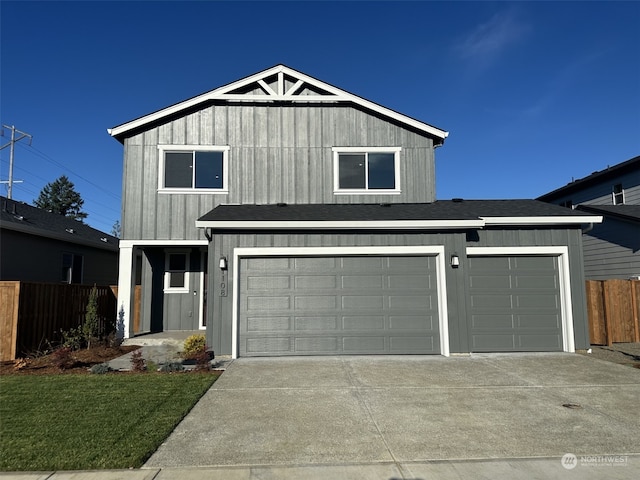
{"type": "Point", "coordinates": [338, 305]}
{"type": "Point", "coordinates": [515, 304]}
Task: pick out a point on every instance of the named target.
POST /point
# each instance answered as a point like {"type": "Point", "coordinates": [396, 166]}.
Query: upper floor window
{"type": "Point", "coordinates": [193, 169]}
{"type": "Point", "coordinates": [618, 194]}
{"type": "Point", "coordinates": [372, 170]}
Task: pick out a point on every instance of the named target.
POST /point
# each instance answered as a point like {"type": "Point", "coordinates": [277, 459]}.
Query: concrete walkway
{"type": "Point", "coordinates": [484, 416]}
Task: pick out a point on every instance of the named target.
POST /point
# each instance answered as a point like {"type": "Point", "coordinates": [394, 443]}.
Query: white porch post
{"type": "Point", "coordinates": [125, 299]}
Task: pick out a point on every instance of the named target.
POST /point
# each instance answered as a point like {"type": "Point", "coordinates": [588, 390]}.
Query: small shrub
{"type": "Point", "coordinates": [138, 363]}
{"type": "Point", "coordinates": [113, 341]}
{"type": "Point", "coordinates": [62, 358]}
{"type": "Point", "coordinates": [72, 338]}
{"type": "Point", "coordinates": [193, 345]}
{"type": "Point", "coordinates": [203, 360]}
{"type": "Point", "coordinates": [101, 369]}
{"type": "Point", "coordinates": [172, 367]}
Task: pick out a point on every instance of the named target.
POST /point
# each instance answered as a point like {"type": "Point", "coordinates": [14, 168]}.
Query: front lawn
{"type": "Point", "coordinates": [80, 422]}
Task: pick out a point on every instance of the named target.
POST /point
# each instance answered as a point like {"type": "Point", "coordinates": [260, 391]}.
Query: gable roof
{"type": "Point", "coordinates": [276, 84]}
{"type": "Point", "coordinates": [20, 217]}
{"type": "Point", "coordinates": [442, 214]}
{"type": "Point", "coordinates": [593, 179]}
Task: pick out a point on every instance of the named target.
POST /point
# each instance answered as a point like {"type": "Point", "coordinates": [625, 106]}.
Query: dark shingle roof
{"type": "Point", "coordinates": [595, 178]}
{"type": "Point", "coordinates": [625, 212]}
{"type": "Point", "coordinates": [25, 218]}
{"type": "Point", "coordinates": [440, 210]}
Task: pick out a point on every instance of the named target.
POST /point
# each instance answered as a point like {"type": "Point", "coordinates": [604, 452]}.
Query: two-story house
{"type": "Point", "coordinates": [612, 248]}
{"type": "Point", "coordinates": [290, 217]}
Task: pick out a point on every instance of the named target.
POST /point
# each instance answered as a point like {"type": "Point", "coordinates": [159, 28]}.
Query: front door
{"type": "Point", "coordinates": [182, 289]}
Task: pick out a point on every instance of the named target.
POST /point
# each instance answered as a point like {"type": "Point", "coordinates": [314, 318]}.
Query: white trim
{"type": "Point", "coordinates": [427, 250]}
{"type": "Point", "coordinates": [562, 252]}
{"type": "Point", "coordinates": [186, 288]}
{"type": "Point", "coordinates": [201, 325]}
{"type": "Point", "coordinates": [551, 220]}
{"type": "Point", "coordinates": [164, 148]}
{"type": "Point", "coordinates": [162, 243]}
{"type": "Point", "coordinates": [223, 94]}
{"type": "Point", "coordinates": [340, 224]}
{"type": "Point", "coordinates": [125, 288]}
{"type": "Point", "coordinates": [365, 151]}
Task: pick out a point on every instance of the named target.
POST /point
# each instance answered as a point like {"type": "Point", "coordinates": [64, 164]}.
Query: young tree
{"type": "Point", "coordinates": [115, 230]}
{"type": "Point", "coordinates": [61, 197]}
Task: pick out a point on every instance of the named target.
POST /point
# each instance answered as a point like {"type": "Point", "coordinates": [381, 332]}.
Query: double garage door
{"type": "Point", "coordinates": [338, 305]}
{"type": "Point", "coordinates": [389, 305]}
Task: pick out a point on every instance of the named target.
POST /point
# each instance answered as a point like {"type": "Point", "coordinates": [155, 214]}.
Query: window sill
{"type": "Point", "coordinates": [367, 192]}
{"type": "Point", "coordinates": [176, 290]}
{"type": "Point", "coordinates": [192, 191]}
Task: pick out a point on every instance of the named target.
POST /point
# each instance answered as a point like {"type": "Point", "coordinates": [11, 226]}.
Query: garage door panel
{"type": "Point", "coordinates": [363, 323]}
{"type": "Point", "coordinates": [414, 323]}
{"type": "Point", "coordinates": [413, 344]}
{"type": "Point", "coordinates": [324, 344]}
{"type": "Point", "coordinates": [515, 304]}
{"type": "Point", "coordinates": [315, 282]}
{"type": "Point", "coordinates": [268, 324]}
{"type": "Point", "coordinates": [259, 303]}
{"type": "Point", "coordinates": [363, 344]}
{"type": "Point", "coordinates": [364, 282]}
{"type": "Point", "coordinates": [316, 323]}
{"type": "Point", "coordinates": [354, 304]}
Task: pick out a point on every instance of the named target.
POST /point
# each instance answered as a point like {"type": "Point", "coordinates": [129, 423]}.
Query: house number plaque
{"type": "Point", "coordinates": [223, 284]}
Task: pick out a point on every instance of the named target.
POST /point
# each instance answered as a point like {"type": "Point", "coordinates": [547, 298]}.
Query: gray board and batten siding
{"type": "Point", "coordinates": [278, 153]}
{"type": "Point", "coordinates": [458, 301]}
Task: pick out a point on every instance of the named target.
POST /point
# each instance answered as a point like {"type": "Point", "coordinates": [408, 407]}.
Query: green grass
{"type": "Point", "coordinates": [80, 422]}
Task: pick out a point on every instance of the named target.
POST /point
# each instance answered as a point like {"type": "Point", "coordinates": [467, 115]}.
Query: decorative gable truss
{"type": "Point", "coordinates": [278, 84]}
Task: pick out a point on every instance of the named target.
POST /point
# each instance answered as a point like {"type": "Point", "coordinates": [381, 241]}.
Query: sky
{"type": "Point", "coordinates": [534, 94]}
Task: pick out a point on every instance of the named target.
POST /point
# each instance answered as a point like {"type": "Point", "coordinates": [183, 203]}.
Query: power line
{"type": "Point", "coordinates": [12, 143]}
{"type": "Point", "coordinates": [58, 164]}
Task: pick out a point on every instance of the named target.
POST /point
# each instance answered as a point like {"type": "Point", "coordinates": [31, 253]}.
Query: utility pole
{"type": "Point", "coordinates": [11, 144]}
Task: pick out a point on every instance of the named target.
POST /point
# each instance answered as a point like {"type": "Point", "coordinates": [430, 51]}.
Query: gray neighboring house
{"type": "Point", "coordinates": [39, 246]}
{"type": "Point", "coordinates": [287, 216]}
{"type": "Point", "coordinates": [611, 249]}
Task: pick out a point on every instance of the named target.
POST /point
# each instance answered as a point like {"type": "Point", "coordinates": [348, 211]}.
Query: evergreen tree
{"type": "Point", "coordinates": [60, 197]}
{"type": "Point", "coordinates": [115, 230]}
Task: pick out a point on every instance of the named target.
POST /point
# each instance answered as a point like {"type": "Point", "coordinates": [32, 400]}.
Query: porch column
{"type": "Point", "coordinates": [125, 288]}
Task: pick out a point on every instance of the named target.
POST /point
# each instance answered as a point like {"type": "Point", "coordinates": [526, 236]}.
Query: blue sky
{"type": "Point", "coordinates": [533, 94]}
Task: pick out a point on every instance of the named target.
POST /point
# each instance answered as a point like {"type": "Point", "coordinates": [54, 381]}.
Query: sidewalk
{"type": "Point", "coordinates": [508, 469]}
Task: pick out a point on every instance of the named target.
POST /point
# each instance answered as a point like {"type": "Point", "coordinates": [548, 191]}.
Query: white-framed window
{"type": "Point", "coordinates": [618, 194]}
{"type": "Point", "coordinates": [366, 170]}
{"type": "Point", "coordinates": [176, 272]}
{"type": "Point", "coordinates": [193, 169]}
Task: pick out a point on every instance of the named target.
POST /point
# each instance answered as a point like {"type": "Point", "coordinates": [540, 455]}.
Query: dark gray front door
{"type": "Point", "coordinates": [515, 304]}
{"type": "Point", "coordinates": [338, 305]}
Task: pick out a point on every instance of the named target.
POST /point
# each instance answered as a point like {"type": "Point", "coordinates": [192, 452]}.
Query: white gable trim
{"type": "Point", "coordinates": [333, 94]}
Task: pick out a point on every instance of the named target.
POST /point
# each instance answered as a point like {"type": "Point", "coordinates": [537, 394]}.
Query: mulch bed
{"type": "Point", "coordinates": [80, 361]}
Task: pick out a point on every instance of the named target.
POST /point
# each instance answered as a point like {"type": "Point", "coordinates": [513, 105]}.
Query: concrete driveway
{"type": "Point", "coordinates": [404, 410]}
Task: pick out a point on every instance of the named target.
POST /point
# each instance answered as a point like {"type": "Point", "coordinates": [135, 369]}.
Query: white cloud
{"type": "Point", "coordinates": [491, 39]}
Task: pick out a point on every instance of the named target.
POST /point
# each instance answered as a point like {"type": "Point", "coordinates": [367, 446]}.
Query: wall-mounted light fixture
{"type": "Point", "coordinates": [455, 261]}
{"type": "Point", "coordinates": [222, 263]}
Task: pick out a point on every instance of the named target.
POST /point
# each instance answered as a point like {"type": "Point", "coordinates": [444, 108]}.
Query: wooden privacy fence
{"type": "Point", "coordinates": [614, 311]}
{"type": "Point", "coordinates": [32, 314]}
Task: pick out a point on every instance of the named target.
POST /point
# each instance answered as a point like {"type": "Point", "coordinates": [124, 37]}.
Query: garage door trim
{"type": "Point", "coordinates": [430, 250]}
{"type": "Point", "coordinates": [562, 252]}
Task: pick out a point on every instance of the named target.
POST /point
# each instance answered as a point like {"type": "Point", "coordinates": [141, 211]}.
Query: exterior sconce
{"type": "Point", "coordinates": [222, 263]}
{"type": "Point", "coordinates": [455, 261]}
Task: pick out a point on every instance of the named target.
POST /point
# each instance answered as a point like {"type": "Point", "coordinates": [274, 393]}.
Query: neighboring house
{"type": "Point", "coordinates": [289, 217]}
{"type": "Point", "coordinates": [611, 249]}
{"type": "Point", "coordinates": [40, 246]}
